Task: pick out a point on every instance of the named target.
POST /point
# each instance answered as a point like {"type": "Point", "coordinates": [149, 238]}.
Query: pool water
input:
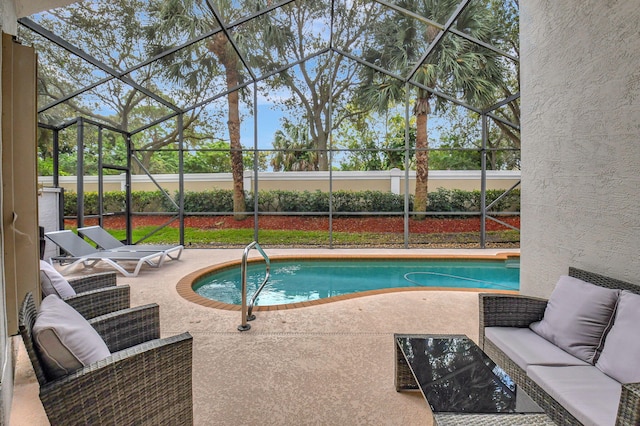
{"type": "Point", "coordinates": [303, 280]}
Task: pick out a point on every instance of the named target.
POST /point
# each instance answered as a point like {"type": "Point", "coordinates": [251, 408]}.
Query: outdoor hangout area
{"type": "Point", "coordinates": [555, 369]}
{"type": "Point", "coordinates": [307, 212]}
{"type": "Point", "coordinates": [327, 364]}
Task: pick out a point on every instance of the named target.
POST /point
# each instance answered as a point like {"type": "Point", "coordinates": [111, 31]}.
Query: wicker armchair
{"type": "Point", "coordinates": [97, 294]}
{"type": "Point", "coordinates": [499, 310]}
{"type": "Point", "coordinates": [146, 380]}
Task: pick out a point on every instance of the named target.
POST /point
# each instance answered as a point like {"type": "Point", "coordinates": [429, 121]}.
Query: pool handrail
{"type": "Point", "coordinates": [247, 309]}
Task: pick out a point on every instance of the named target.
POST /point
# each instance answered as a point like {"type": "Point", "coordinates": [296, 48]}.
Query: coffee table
{"type": "Point", "coordinates": [461, 384]}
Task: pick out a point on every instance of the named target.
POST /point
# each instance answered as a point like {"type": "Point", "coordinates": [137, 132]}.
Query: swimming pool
{"type": "Point", "coordinates": [295, 281]}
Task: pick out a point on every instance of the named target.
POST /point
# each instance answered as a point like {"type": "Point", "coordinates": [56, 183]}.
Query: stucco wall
{"type": "Point", "coordinates": [8, 14]}
{"type": "Point", "coordinates": [580, 88]}
{"type": "Point", "coordinates": [392, 180]}
{"type": "Point", "coordinates": [28, 7]}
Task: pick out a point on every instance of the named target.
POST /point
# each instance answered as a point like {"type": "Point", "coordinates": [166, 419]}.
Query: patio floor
{"type": "Point", "coordinates": [331, 364]}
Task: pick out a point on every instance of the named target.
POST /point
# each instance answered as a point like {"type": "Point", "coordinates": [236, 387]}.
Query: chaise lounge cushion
{"type": "Point", "coordinates": [577, 317]}
{"type": "Point", "coordinates": [65, 340]}
{"type": "Point", "coordinates": [524, 347]}
{"type": "Point", "coordinates": [589, 395]}
{"type": "Point", "coordinates": [620, 356]}
{"type": "Point", "coordinates": [53, 282]}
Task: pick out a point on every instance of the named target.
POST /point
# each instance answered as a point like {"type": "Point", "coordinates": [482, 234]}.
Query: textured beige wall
{"type": "Point", "coordinates": [300, 181]}
{"type": "Point", "coordinates": [8, 14]}
{"type": "Point", "coordinates": [580, 140]}
{"type": "Point", "coordinates": [29, 7]}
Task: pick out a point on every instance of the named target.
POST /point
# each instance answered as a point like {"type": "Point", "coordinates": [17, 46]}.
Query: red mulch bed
{"type": "Point", "coordinates": [394, 224]}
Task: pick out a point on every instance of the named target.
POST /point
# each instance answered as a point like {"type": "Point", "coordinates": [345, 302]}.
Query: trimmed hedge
{"type": "Point", "coordinates": [114, 202]}
{"type": "Point", "coordinates": [456, 200]}
{"type": "Point", "coordinates": [221, 201]}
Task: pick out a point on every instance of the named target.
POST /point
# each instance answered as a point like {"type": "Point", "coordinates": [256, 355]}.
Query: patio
{"type": "Point", "coordinates": [326, 364]}
{"type": "Point", "coordinates": [580, 179]}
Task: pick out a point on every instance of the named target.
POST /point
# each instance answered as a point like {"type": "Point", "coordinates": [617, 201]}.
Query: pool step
{"type": "Point", "coordinates": [512, 262]}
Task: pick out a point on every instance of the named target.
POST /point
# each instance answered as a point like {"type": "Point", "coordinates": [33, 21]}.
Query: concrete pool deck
{"type": "Point", "coordinates": [329, 364]}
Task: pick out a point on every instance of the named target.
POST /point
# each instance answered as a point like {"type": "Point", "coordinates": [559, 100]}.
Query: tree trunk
{"type": "Point", "coordinates": [220, 47]}
{"type": "Point", "coordinates": [323, 160]}
{"type": "Point", "coordinates": [422, 158]}
{"type": "Point", "coordinates": [145, 159]}
{"type": "Point", "coordinates": [421, 110]}
{"type": "Point", "coordinates": [237, 167]}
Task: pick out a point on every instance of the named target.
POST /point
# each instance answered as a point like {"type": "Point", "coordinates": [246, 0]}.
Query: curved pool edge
{"type": "Point", "coordinates": [184, 286]}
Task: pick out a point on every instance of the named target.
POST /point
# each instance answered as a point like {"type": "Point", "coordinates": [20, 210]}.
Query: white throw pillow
{"type": "Point", "coordinates": [620, 358]}
{"type": "Point", "coordinates": [53, 282]}
{"type": "Point", "coordinates": [577, 317]}
{"type": "Point", "coordinates": [65, 339]}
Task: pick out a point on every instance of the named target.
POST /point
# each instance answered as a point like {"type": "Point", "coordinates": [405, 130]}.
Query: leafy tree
{"type": "Point", "coordinates": [110, 32]}
{"type": "Point", "coordinates": [460, 143]}
{"type": "Point", "coordinates": [294, 149]}
{"type": "Point", "coordinates": [358, 137]}
{"type": "Point", "coordinates": [457, 64]}
{"type": "Point", "coordinates": [319, 87]}
{"type": "Point", "coordinates": [506, 14]}
{"type": "Point", "coordinates": [213, 157]}
{"type": "Point", "coordinates": [453, 156]}
{"type": "Point", "coordinates": [395, 143]}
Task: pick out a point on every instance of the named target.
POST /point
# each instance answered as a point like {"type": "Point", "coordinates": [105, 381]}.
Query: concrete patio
{"type": "Point", "coordinates": [331, 364]}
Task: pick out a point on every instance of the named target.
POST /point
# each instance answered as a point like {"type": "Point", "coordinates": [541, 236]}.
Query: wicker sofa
{"type": "Point", "coordinates": [505, 332]}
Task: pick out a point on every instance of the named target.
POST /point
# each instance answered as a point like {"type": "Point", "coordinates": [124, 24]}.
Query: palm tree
{"type": "Point", "coordinates": [456, 64]}
{"type": "Point", "coordinates": [294, 149]}
{"type": "Point", "coordinates": [221, 47]}
{"type": "Point", "coordinates": [176, 15]}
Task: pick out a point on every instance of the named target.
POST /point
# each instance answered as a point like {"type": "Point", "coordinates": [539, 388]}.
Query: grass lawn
{"type": "Point", "coordinates": [295, 238]}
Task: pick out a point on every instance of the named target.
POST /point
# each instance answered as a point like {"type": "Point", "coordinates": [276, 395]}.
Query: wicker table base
{"type": "Point", "coordinates": [492, 420]}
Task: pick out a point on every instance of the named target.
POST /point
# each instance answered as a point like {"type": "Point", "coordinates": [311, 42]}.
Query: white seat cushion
{"type": "Point", "coordinates": [525, 347]}
{"type": "Point", "coordinates": [53, 282]}
{"type": "Point", "coordinates": [586, 392]}
{"type": "Point", "coordinates": [65, 340]}
{"type": "Point", "coordinates": [577, 317]}
{"type": "Point", "coordinates": [620, 356]}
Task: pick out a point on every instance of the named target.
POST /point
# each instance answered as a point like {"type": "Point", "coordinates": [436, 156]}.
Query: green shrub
{"type": "Point", "coordinates": [216, 200]}
{"type": "Point", "coordinates": [293, 201]}
{"type": "Point", "coordinates": [221, 200]}
{"type": "Point", "coordinates": [509, 203]}
{"type": "Point", "coordinates": [457, 200]}
{"type": "Point", "coordinates": [90, 203]}
{"type": "Point", "coordinates": [440, 201]}
{"type": "Point", "coordinates": [115, 202]}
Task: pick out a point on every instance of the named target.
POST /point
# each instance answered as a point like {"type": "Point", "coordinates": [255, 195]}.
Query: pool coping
{"type": "Point", "coordinates": [184, 286]}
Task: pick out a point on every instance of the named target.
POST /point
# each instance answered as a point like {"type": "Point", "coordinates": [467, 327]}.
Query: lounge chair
{"type": "Point", "coordinates": [81, 252]}
{"type": "Point", "coordinates": [106, 241]}
{"type": "Point", "coordinates": [142, 378]}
